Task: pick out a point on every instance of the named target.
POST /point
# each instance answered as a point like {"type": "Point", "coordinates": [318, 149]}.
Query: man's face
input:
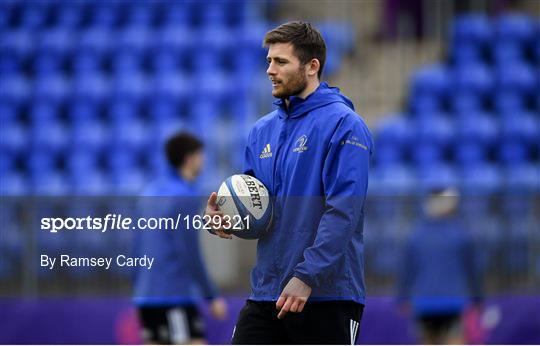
{"type": "Point", "coordinates": [287, 74]}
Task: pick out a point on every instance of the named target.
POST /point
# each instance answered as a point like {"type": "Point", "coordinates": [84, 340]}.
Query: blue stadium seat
{"type": "Point", "coordinates": [10, 64]}
{"type": "Point", "coordinates": [52, 87]}
{"type": "Point", "coordinates": [44, 111]}
{"type": "Point", "coordinates": [395, 130]}
{"type": "Point", "coordinates": [122, 110]}
{"type": "Point", "coordinates": [104, 14]}
{"type": "Point", "coordinates": [393, 180]}
{"type": "Point", "coordinates": [517, 77]}
{"type": "Point", "coordinates": [92, 87]}
{"type": "Point", "coordinates": [33, 15]}
{"type": "Point", "coordinates": [89, 134]}
{"type": "Point", "coordinates": [49, 183]}
{"type": "Point", "coordinates": [18, 41]}
{"type": "Point", "coordinates": [508, 102]}
{"type": "Point", "coordinates": [470, 35]}
{"type": "Point", "coordinates": [536, 48]}
{"type": "Point", "coordinates": [216, 38]}
{"type": "Point", "coordinates": [477, 127]}
{"type": "Point", "coordinates": [15, 89]}
{"type": "Point", "coordinates": [80, 161]}
{"type": "Point", "coordinates": [85, 63]}
{"type": "Point", "coordinates": [90, 183]}
{"type": "Point", "coordinates": [215, 86]}
{"type": "Point", "coordinates": [206, 61]}
{"type": "Point", "coordinates": [473, 78]}
{"type": "Point", "coordinates": [140, 14]}
{"type": "Point", "coordinates": [177, 13]}
{"type": "Point", "coordinates": [49, 135]}
{"type": "Point", "coordinates": [162, 110]}
{"type": "Point", "coordinates": [388, 154]}
{"type": "Point", "coordinates": [58, 41]}
{"type": "Point", "coordinates": [96, 40]}
{"type": "Point", "coordinates": [425, 103]}
{"type": "Point", "coordinates": [464, 102]}
{"type": "Point", "coordinates": [178, 39]}
{"type": "Point", "coordinates": [436, 176]}
{"type": "Point", "coordinates": [431, 80]}
{"type": "Point", "coordinates": [513, 152]}
{"type": "Point", "coordinates": [132, 87]}
{"type": "Point", "coordinates": [7, 161]}
{"type": "Point", "coordinates": [40, 161]}
{"type": "Point", "coordinates": [133, 39]}
{"type": "Point", "coordinates": [469, 153]}
{"type": "Point", "coordinates": [128, 182]}
{"type": "Point", "coordinates": [5, 12]}
{"type": "Point", "coordinates": [523, 179]}
{"type": "Point", "coordinates": [172, 86]}
{"type": "Point", "coordinates": [47, 63]}
{"type": "Point", "coordinates": [507, 52]}
{"type": "Point", "coordinates": [436, 130]}
{"type": "Point", "coordinates": [514, 27]}
{"type": "Point", "coordinates": [13, 136]}
{"type": "Point", "coordinates": [125, 62]}
{"type": "Point", "coordinates": [9, 112]}
{"type": "Point", "coordinates": [481, 179]}
{"type": "Point", "coordinates": [164, 61]}
{"type": "Point", "coordinates": [522, 127]}
{"type": "Point", "coordinates": [14, 184]}
{"type": "Point", "coordinates": [426, 154]}
{"type": "Point", "coordinates": [82, 110]}
{"type": "Point", "coordinates": [131, 135]}
{"type": "Point", "coordinates": [69, 15]}
{"type": "Point", "coordinates": [119, 159]}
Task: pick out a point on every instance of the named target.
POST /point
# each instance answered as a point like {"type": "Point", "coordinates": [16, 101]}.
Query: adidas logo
{"type": "Point", "coordinates": [266, 153]}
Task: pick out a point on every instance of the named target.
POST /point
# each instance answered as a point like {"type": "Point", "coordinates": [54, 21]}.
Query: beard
{"type": "Point", "coordinates": [295, 86]}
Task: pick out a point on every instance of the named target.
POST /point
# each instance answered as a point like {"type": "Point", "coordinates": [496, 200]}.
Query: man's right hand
{"type": "Point", "coordinates": [212, 210]}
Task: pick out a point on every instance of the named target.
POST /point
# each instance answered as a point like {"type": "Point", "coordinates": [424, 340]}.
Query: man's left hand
{"type": "Point", "coordinates": [293, 298]}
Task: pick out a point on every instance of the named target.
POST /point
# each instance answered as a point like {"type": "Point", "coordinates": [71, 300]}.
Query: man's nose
{"type": "Point", "coordinates": [270, 70]}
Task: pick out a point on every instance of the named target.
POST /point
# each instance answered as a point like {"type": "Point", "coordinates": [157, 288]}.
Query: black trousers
{"type": "Point", "coordinates": [328, 322]}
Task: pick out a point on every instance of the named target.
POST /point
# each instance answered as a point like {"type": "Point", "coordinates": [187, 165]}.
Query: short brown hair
{"type": "Point", "coordinates": [307, 41]}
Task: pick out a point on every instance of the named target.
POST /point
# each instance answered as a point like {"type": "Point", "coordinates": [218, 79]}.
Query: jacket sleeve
{"type": "Point", "coordinates": [345, 180]}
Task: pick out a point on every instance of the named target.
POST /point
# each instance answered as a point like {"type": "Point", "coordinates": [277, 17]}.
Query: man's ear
{"type": "Point", "coordinates": [314, 67]}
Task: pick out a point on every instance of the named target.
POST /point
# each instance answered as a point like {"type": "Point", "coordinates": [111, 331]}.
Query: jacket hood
{"type": "Point", "coordinates": [321, 97]}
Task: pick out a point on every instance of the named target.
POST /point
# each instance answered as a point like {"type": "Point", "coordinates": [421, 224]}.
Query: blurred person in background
{"type": "Point", "coordinates": [439, 279]}
{"type": "Point", "coordinates": [167, 295]}
{"type": "Point", "coordinates": [308, 284]}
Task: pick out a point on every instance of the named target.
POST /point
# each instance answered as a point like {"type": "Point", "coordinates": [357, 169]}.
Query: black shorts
{"type": "Point", "coordinates": [441, 324]}
{"type": "Point", "coordinates": [329, 322]}
{"type": "Point", "coordinates": [171, 324]}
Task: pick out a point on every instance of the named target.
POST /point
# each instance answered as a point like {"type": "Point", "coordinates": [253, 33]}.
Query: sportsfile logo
{"type": "Point", "coordinates": [266, 153]}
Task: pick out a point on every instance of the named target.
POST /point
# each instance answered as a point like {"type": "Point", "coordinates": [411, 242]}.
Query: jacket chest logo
{"type": "Point", "coordinates": [301, 144]}
{"type": "Point", "coordinates": [266, 153]}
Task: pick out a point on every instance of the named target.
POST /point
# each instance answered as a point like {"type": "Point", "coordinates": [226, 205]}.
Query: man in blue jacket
{"type": "Point", "coordinates": [312, 153]}
{"type": "Point", "coordinates": [439, 278]}
{"type": "Point", "coordinates": [167, 295]}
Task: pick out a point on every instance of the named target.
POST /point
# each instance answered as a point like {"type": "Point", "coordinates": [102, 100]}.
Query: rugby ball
{"type": "Point", "coordinates": [246, 201]}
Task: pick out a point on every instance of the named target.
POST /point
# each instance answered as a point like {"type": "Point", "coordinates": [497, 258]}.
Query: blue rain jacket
{"type": "Point", "coordinates": [178, 275]}
{"type": "Point", "coordinates": [313, 156]}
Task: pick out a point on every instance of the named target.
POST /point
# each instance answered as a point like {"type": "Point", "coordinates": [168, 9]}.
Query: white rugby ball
{"type": "Point", "coordinates": [247, 202]}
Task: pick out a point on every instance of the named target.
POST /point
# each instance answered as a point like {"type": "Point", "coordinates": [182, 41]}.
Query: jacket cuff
{"type": "Point", "coordinates": [305, 279]}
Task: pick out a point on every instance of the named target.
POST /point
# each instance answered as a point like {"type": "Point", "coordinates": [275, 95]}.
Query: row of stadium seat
{"type": "Point", "coordinates": [465, 117]}
{"type": "Point", "coordinates": [403, 179]}
{"type": "Point", "coordinates": [36, 15]}
{"type": "Point", "coordinates": [510, 37]}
